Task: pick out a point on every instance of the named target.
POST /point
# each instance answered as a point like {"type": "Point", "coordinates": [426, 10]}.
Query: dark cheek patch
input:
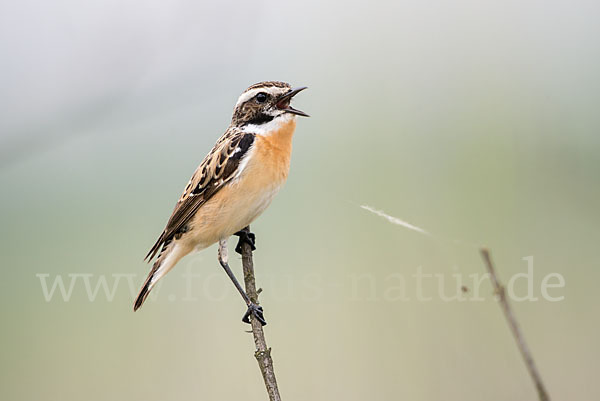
{"type": "Point", "coordinates": [260, 118]}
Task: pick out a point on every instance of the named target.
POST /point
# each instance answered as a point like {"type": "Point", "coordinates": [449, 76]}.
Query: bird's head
{"type": "Point", "coordinates": [264, 102]}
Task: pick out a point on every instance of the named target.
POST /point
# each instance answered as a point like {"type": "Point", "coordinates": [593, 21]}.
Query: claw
{"type": "Point", "coordinates": [245, 237]}
{"type": "Point", "coordinates": [257, 312]}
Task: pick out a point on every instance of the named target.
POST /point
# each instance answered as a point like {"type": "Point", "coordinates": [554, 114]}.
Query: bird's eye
{"type": "Point", "coordinates": [261, 97]}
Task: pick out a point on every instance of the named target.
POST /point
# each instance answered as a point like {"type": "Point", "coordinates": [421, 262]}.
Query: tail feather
{"type": "Point", "coordinates": [160, 243]}
{"type": "Point", "coordinates": [167, 259]}
{"type": "Point", "coordinates": [146, 288]}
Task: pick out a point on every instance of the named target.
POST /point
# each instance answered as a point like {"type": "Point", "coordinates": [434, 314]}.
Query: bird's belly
{"type": "Point", "coordinates": [231, 209]}
{"type": "Point", "coordinates": [237, 204]}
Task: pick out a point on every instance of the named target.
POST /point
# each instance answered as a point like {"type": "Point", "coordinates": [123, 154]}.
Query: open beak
{"type": "Point", "coordinates": [284, 102]}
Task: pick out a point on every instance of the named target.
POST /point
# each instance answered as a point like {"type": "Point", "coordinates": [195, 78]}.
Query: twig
{"type": "Point", "coordinates": [263, 353]}
{"type": "Point", "coordinates": [514, 327]}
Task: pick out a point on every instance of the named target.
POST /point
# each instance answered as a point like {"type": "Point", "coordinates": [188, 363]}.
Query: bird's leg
{"type": "Point", "coordinates": [253, 309]}
{"type": "Point", "coordinates": [245, 237]}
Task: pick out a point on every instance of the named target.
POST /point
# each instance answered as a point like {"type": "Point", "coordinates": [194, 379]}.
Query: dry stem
{"type": "Point", "coordinates": [514, 327]}
{"type": "Point", "coordinates": [263, 353]}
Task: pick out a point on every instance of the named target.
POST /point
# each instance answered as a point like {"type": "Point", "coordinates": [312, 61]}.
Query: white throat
{"type": "Point", "coordinates": [271, 126]}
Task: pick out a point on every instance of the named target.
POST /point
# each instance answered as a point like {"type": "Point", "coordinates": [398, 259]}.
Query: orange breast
{"type": "Point", "coordinates": [238, 204]}
{"type": "Point", "coordinates": [273, 152]}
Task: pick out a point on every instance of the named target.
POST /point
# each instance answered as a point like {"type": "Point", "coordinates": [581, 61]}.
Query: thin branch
{"type": "Point", "coordinates": [514, 327]}
{"type": "Point", "coordinates": [262, 353]}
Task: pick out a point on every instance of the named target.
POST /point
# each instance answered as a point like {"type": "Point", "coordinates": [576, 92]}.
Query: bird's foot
{"type": "Point", "coordinates": [257, 312]}
{"type": "Point", "coordinates": [246, 237]}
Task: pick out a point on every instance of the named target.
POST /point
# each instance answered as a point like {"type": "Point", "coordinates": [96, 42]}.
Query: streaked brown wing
{"type": "Point", "coordinates": [217, 169]}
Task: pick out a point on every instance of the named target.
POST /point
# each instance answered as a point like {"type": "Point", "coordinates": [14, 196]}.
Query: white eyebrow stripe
{"type": "Point", "coordinates": [244, 97]}
{"type": "Point", "coordinates": [272, 90]}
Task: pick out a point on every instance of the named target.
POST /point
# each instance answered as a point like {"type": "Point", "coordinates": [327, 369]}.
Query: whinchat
{"type": "Point", "coordinates": [233, 185]}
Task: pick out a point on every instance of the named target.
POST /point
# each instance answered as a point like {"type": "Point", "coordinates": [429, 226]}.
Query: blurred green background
{"type": "Point", "coordinates": [476, 120]}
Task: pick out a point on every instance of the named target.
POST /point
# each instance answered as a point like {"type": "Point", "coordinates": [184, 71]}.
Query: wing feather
{"type": "Point", "coordinates": [221, 165]}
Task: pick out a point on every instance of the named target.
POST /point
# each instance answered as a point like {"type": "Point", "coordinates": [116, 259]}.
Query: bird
{"type": "Point", "coordinates": [232, 186]}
